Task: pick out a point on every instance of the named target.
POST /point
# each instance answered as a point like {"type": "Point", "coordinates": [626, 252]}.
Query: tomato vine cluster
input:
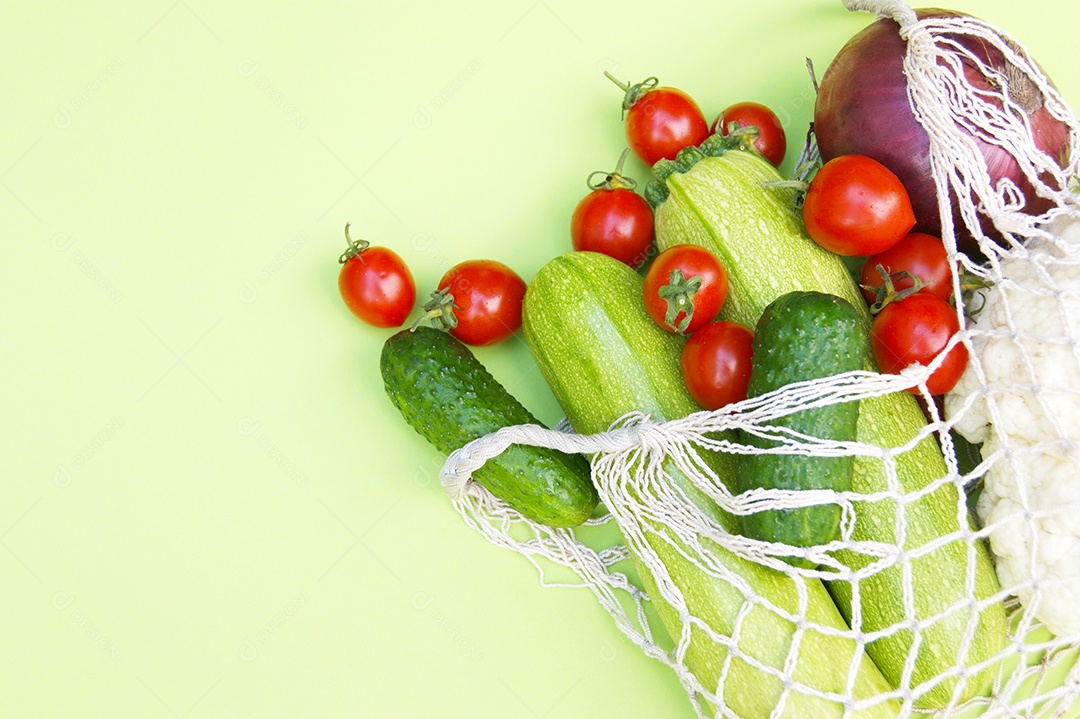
{"type": "Point", "coordinates": [853, 206]}
{"type": "Point", "coordinates": [477, 301]}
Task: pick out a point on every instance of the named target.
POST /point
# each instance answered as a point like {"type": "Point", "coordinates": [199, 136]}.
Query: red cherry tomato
{"type": "Point", "coordinates": [660, 121]}
{"type": "Point", "coordinates": [376, 284]}
{"type": "Point", "coordinates": [685, 288]}
{"type": "Point", "coordinates": [487, 298]}
{"type": "Point", "coordinates": [856, 207]}
{"type": "Point", "coordinates": [771, 141]}
{"type": "Point", "coordinates": [922, 256]}
{"type": "Point", "coordinates": [716, 363]}
{"type": "Point", "coordinates": [916, 330]}
{"type": "Point", "coordinates": [613, 220]}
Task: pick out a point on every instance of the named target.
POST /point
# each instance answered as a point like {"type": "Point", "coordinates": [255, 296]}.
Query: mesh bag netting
{"type": "Point", "coordinates": [745, 647]}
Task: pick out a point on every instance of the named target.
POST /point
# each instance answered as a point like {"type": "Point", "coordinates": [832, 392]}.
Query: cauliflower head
{"type": "Point", "coordinates": [1020, 397]}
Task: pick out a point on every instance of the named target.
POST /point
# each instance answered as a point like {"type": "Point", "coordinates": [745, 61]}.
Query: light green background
{"type": "Point", "coordinates": [210, 509]}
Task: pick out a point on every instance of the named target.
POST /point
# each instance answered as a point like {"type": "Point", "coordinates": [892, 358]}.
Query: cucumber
{"type": "Point", "coordinates": [721, 203]}
{"type": "Point", "coordinates": [803, 336]}
{"type": "Point", "coordinates": [447, 396]}
{"type": "Point", "coordinates": [603, 357]}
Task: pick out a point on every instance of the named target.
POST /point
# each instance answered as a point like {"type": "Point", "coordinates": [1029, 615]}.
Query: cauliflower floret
{"type": "Point", "coordinates": [1027, 415]}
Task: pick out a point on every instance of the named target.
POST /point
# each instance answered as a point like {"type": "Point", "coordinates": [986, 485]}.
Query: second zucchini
{"type": "Point", "coordinates": [604, 358]}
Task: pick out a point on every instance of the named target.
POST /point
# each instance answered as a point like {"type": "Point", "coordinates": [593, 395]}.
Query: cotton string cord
{"type": "Point", "coordinates": [634, 461]}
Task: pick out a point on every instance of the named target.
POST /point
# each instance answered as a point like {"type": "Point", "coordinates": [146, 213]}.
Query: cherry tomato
{"type": "Point", "coordinates": [486, 301]}
{"type": "Point", "coordinates": [716, 363]}
{"type": "Point", "coordinates": [922, 256]}
{"type": "Point", "coordinates": [916, 330]}
{"type": "Point", "coordinates": [685, 288]}
{"type": "Point", "coordinates": [613, 220]}
{"type": "Point", "coordinates": [771, 141]}
{"type": "Point", "coordinates": [856, 207]}
{"type": "Point", "coordinates": [660, 121]}
{"type": "Point", "coordinates": [376, 284]}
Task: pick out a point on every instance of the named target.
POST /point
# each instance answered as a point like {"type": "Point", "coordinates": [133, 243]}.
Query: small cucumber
{"type": "Point", "coordinates": [603, 357]}
{"type": "Point", "coordinates": [803, 336]}
{"type": "Point", "coordinates": [446, 395]}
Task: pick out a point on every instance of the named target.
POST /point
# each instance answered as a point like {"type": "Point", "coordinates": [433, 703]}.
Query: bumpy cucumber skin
{"type": "Point", "coordinates": [604, 357]}
{"type": "Point", "coordinates": [803, 336]}
{"type": "Point", "coordinates": [724, 205]}
{"type": "Point", "coordinates": [449, 398]}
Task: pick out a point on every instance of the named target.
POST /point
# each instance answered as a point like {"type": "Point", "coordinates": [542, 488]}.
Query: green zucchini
{"type": "Point", "coordinates": [722, 203]}
{"type": "Point", "coordinates": [604, 357]}
{"type": "Point", "coordinates": [446, 395]}
{"type": "Point", "coordinates": [803, 336]}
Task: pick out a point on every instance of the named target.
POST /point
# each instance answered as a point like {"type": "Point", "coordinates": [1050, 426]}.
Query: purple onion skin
{"type": "Point", "coordinates": [862, 108]}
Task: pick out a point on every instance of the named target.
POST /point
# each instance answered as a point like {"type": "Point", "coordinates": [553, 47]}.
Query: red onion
{"type": "Point", "coordinates": [863, 108]}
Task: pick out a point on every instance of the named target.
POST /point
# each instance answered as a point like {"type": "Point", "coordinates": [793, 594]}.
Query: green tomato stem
{"type": "Point", "coordinates": [612, 180]}
{"type": "Point", "coordinates": [356, 247]}
{"type": "Point", "coordinates": [633, 93]}
{"type": "Point", "coordinates": [888, 293]}
{"type": "Point", "coordinates": [679, 294]}
{"type": "Point", "coordinates": [439, 310]}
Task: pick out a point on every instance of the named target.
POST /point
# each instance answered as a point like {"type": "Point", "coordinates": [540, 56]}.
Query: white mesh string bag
{"type": "Point", "coordinates": [1020, 398]}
